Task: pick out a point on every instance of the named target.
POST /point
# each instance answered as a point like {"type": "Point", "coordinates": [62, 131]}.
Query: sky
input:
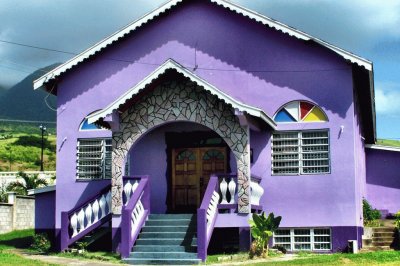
{"type": "Point", "coordinates": [368, 28]}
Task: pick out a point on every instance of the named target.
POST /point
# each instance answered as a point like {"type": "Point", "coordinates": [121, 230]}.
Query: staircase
{"type": "Point", "coordinates": [382, 238]}
{"type": "Point", "coordinates": [166, 239]}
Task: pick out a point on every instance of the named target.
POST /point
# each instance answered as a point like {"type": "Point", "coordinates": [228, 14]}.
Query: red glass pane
{"type": "Point", "coordinates": [304, 109]}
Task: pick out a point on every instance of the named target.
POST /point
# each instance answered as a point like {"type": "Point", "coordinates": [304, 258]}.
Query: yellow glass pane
{"type": "Point", "coordinates": [315, 115]}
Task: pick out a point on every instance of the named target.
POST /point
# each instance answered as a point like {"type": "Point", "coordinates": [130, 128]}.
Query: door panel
{"type": "Point", "coordinates": [191, 170]}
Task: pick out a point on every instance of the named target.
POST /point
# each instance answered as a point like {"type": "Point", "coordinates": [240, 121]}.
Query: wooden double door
{"type": "Point", "coordinates": [191, 170]}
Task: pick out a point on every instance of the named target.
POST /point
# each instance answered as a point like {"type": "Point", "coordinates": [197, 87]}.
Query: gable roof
{"type": "Point", "coordinates": [171, 64]}
{"type": "Point", "coordinates": [40, 82]}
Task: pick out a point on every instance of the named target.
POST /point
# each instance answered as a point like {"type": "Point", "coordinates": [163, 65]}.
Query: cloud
{"type": "Point", "coordinates": [387, 97]}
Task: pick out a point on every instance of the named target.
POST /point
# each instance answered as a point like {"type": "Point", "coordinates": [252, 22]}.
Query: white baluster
{"type": "Point", "coordinates": [232, 189]}
{"type": "Point", "coordinates": [223, 187]}
{"type": "Point", "coordinates": [95, 208]}
{"type": "Point", "coordinates": [256, 193]}
{"type": "Point", "coordinates": [127, 191]}
{"type": "Point", "coordinates": [108, 201]}
{"type": "Point", "coordinates": [88, 214]}
{"type": "Point", "coordinates": [81, 220]}
{"type": "Point", "coordinates": [74, 224]}
{"type": "Point", "coordinates": [135, 185]}
{"type": "Point", "coordinates": [102, 204]}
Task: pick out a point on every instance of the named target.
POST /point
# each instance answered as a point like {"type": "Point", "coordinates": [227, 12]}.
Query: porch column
{"type": "Point", "coordinates": [243, 172]}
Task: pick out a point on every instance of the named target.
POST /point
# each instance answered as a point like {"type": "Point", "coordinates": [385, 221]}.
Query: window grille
{"type": "Point", "coordinates": [311, 239]}
{"type": "Point", "coordinates": [304, 152]}
{"type": "Point", "coordinates": [94, 159]}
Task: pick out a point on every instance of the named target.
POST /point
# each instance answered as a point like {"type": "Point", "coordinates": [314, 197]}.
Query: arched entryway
{"type": "Point", "coordinates": [179, 99]}
{"type": "Point", "coordinates": [179, 158]}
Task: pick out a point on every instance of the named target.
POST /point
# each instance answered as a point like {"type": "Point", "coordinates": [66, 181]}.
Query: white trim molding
{"type": "Point", "coordinates": [38, 83]}
{"type": "Point", "coordinates": [171, 64]}
{"type": "Point", "coordinates": [381, 147]}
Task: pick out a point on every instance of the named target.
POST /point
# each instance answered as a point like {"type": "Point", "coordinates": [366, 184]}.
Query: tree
{"type": "Point", "coordinates": [31, 182]}
{"type": "Point", "coordinates": [262, 228]}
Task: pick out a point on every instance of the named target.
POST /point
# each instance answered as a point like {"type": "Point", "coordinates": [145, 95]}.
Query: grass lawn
{"type": "Point", "coordinates": [388, 142]}
{"type": "Point", "coordinates": [372, 258]}
{"type": "Point", "coordinates": [17, 240]}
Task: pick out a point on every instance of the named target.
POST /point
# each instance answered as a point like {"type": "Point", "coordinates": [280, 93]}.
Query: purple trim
{"type": "Point", "coordinates": [127, 238]}
{"type": "Point", "coordinates": [203, 237]}
{"type": "Point", "coordinates": [256, 178]}
{"type": "Point", "coordinates": [65, 239]}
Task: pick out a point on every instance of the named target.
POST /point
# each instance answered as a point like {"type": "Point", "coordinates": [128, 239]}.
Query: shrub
{"type": "Point", "coordinates": [262, 228]}
{"type": "Point", "coordinates": [397, 220]}
{"type": "Point", "coordinates": [369, 213]}
{"type": "Point", "coordinates": [41, 243]}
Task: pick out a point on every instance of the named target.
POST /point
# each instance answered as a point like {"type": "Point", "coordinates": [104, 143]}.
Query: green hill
{"type": "Point", "coordinates": [23, 103]}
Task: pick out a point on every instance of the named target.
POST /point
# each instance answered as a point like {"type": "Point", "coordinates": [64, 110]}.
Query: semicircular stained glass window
{"type": "Point", "coordinates": [86, 126]}
{"type": "Point", "coordinates": [300, 111]}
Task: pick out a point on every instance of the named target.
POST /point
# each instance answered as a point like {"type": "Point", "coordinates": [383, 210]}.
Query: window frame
{"type": "Point", "coordinates": [300, 159]}
{"type": "Point", "coordinates": [103, 159]}
{"type": "Point", "coordinates": [312, 241]}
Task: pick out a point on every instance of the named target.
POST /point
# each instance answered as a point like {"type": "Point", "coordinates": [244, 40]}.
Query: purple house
{"type": "Point", "coordinates": [173, 130]}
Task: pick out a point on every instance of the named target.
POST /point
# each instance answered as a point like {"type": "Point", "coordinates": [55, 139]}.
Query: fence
{"type": "Point", "coordinates": [17, 214]}
{"type": "Point", "coordinates": [8, 177]}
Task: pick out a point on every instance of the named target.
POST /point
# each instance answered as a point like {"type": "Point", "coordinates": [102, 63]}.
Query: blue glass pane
{"type": "Point", "coordinates": [87, 126]}
{"type": "Point", "coordinates": [284, 116]}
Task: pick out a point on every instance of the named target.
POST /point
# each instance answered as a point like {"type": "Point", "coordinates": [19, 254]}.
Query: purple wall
{"type": "Point", "coordinates": [45, 207]}
{"type": "Point", "coordinates": [383, 179]}
{"type": "Point", "coordinates": [148, 157]}
{"type": "Point", "coordinates": [225, 40]}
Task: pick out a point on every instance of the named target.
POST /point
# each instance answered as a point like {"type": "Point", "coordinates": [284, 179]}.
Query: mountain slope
{"type": "Point", "coordinates": [22, 102]}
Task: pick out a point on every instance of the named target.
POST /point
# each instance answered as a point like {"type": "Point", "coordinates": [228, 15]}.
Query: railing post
{"type": "Point", "coordinates": [146, 194]}
{"type": "Point", "coordinates": [126, 232]}
{"type": "Point", "coordinates": [64, 234]}
{"type": "Point", "coordinates": [201, 234]}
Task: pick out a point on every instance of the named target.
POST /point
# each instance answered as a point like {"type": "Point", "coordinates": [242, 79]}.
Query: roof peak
{"type": "Point", "coordinates": [40, 82]}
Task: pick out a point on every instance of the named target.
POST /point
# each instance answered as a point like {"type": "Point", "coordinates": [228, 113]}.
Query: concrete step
{"type": "Point", "coordinates": [383, 229]}
{"type": "Point", "coordinates": [381, 243]}
{"type": "Point", "coordinates": [171, 216]}
{"type": "Point", "coordinates": [135, 261]}
{"type": "Point", "coordinates": [169, 222]}
{"type": "Point", "coordinates": [166, 228]}
{"type": "Point", "coordinates": [163, 255]}
{"type": "Point", "coordinates": [167, 241]}
{"type": "Point", "coordinates": [384, 234]}
{"type": "Point", "coordinates": [161, 248]}
{"type": "Point", "coordinates": [382, 239]}
{"type": "Point", "coordinates": [376, 248]}
{"type": "Point", "coordinates": [163, 235]}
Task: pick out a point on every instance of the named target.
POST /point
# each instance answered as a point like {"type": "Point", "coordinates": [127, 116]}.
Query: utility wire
{"type": "Point", "coordinates": [201, 68]}
{"type": "Point", "coordinates": [27, 121]}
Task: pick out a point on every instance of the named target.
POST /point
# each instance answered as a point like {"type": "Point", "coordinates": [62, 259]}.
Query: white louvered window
{"type": "Point", "coordinates": [94, 159]}
{"type": "Point", "coordinates": [300, 152]}
{"type": "Point", "coordinates": [295, 239]}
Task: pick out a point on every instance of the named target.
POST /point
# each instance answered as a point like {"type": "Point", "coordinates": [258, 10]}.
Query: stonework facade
{"type": "Point", "coordinates": [181, 101]}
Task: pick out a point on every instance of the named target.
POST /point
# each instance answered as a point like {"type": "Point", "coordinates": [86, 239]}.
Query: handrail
{"type": "Point", "coordinates": [206, 217]}
{"type": "Point", "coordinates": [134, 215]}
{"type": "Point", "coordinates": [84, 218]}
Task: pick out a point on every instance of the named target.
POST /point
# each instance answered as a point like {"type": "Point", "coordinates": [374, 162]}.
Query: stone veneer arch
{"type": "Point", "coordinates": [181, 100]}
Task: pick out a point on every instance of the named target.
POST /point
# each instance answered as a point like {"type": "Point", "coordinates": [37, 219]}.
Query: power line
{"type": "Point", "coordinates": [201, 68]}
{"type": "Point", "coordinates": [26, 121]}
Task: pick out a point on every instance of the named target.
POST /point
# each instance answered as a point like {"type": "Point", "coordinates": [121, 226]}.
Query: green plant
{"type": "Point", "coordinates": [3, 192]}
{"type": "Point", "coordinates": [262, 228]}
{"type": "Point", "coordinates": [82, 246]}
{"type": "Point", "coordinates": [397, 220]}
{"type": "Point", "coordinates": [30, 182]}
{"type": "Point", "coordinates": [41, 243]}
{"type": "Point", "coordinates": [369, 213]}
